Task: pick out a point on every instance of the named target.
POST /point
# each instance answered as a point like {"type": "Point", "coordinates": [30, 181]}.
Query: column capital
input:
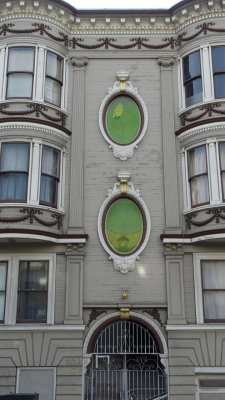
{"type": "Point", "coordinates": [78, 62]}
{"type": "Point", "coordinates": [166, 61]}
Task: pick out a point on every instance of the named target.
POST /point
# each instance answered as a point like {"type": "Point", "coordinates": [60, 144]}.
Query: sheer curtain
{"type": "Point", "coordinates": [198, 176]}
{"type": "Point", "coordinates": [213, 281]}
{"type": "Point", "coordinates": [14, 171]}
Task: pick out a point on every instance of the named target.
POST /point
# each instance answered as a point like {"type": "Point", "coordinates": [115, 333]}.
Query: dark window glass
{"type": "Point", "coordinates": [49, 176]}
{"type": "Point", "coordinates": [218, 55]}
{"type": "Point", "coordinates": [14, 171]}
{"type": "Point", "coordinates": [32, 291]}
{"type": "Point", "coordinates": [20, 72]}
{"type": "Point", "coordinates": [198, 176]}
{"type": "Point", "coordinates": [3, 275]}
{"type": "Point", "coordinates": [53, 79]}
{"type": "Point", "coordinates": [192, 78]}
{"type": "Point", "coordinates": [222, 166]}
{"type": "Point", "coordinates": [213, 286]}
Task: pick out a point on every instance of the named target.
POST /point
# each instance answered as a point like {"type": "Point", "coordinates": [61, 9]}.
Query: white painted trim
{"type": "Point", "coordinates": [41, 237]}
{"type": "Point", "coordinates": [122, 263]}
{"type": "Point", "coordinates": [41, 328]}
{"type": "Point", "coordinates": [37, 369]}
{"type": "Point", "coordinates": [195, 239]}
{"type": "Point", "coordinates": [212, 127]}
{"type": "Point", "coordinates": [202, 327]}
{"type": "Point", "coordinates": [2, 65]}
{"type": "Point", "coordinates": [117, 314]}
{"type": "Point", "coordinates": [34, 128]}
{"type": "Point", "coordinates": [123, 152]}
{"type": "Point", "coordinates": [209, 370]}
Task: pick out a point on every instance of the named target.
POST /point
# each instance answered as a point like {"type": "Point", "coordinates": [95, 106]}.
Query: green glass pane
{"type": "Point", "coordinates": [123, 120]}
{"type": "Point", "coordinates": [124, 225]}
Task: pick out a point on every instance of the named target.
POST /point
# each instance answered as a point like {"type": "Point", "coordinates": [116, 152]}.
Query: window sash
{"type": "Point", "coordinates": [49, 176]}
{"type": "Point", "coordinates": [32, 302]}
{"type": "Point", "coordinates": [14, 169]}
{"type": "Point", "coordinates": [53, 79]}
{"type": "Point", "coordinates": [192, 78]}
{"type": "Point", "coordinates": [198, 176]}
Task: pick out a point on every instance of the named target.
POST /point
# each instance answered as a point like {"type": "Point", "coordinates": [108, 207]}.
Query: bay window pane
{"type": "Point", "coordinates": [219, 82]}
{"type": "Point", "coordinates": [52, 91]}
{"type": "Point", "coordinates": [50, 161]}
{"type": "Point", "coordinates": [197, 161]}
{"type": "Point", "coordinates": [54, 66]}
{"type": "Point", "coordinates": [213, 274]}
{"type": "Point", "coordinates": [214, 304]}
{"type": "Point", "coordinates": [21, 59]}
{"type": "Point", "coordinates": [199, 190]}
{"type": "Point", "coordinates": [14, 156]}
{"type": "Point", "coordinates": [3, 271]}
{"type": "Point", "coordinates": [218, 58]}
{"type": "Point", "coordinates": [193, 92]}
{"type": "Point", "coordinates": [32, 306]}
{"type": "Point", "coordinates": [191, 65]}
{"type": "Point", "coordinates": [13, 186]}
{"type": "Point", "coordinates": [48, 192]}
{"type": "Point", "coordinates": [19, 85]}
{"type": "Point", "coordinates": [222, 155]}
{"type": "Point", "coordinates": [2, 306]}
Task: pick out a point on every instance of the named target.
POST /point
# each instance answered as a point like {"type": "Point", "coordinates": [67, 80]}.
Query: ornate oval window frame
{"type": "Point", "coordinates": [124, 263]}
{"type": "Point", "coordinates": [123, 87]}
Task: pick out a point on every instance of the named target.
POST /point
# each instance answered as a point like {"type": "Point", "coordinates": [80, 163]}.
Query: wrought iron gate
{"type": "Point", "coordinates": [125, 365]}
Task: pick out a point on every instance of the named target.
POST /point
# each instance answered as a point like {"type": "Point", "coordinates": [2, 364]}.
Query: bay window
{"type": "Point", "coordinates": [192, 78]}
{"type": "Point", "coordinates": [14, 171]}
{"type": "Point", "coordinates": [31, 173]}
{"type": "Point", "coordinates": [32, 291]}
{"type": "Point", "coordinates": [53, 78]}
{"type": "Point", "coordinates": [198, 176]}
{"type": "Point", "coordinates": [20, 72]}
{"type": "Point", "coordinates": [3, 278]}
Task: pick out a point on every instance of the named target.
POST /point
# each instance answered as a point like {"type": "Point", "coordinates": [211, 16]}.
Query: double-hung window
{"type": "Point", "coordinates": [32, 291]}
{"type": "Point", "coordinates": [3, 279]}
{"type": "Point", "coordinates": [14, 168]}
{"type": "Point", "coordinates": [53, 78]}
{"type": "Point", "coordinates": [20, 72]}
{"type": "Point", "coordinates": [211, 386]}
{"type": "Point", "coordinates": [192, 78]}
{"type": "Point", "coordinates": [198, 176]}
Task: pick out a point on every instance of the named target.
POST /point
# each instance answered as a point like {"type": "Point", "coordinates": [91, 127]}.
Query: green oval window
{"type": "Point", "coordinates": [124, 225]}
{"type": "Point", "coordinates": [123, 120]}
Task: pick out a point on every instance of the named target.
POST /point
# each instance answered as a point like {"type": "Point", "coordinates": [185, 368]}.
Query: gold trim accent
{"type": "Point", "coordinates": [123, 84]}
{"type": "Point", "coordinates": [124, 313]}
{"type": "Point", "coordinates": [123, 186]}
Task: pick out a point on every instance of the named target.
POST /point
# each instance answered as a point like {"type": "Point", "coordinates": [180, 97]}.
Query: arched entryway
{"type": "Point", "coordinates": [125, 364]}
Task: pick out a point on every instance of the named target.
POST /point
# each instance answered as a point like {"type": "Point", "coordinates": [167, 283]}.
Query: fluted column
{"type": "Point", "coordinates": [169, 146]}
{"type": "Point", "coordinates": [76, 212]}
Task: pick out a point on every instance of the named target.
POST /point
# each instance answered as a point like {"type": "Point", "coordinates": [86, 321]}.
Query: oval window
{"type": "Point", "coordinates": [123, 120]}
{"type": "Point", "coordinates": [124, 226]}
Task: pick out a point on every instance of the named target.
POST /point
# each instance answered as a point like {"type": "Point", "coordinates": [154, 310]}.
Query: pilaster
{"type": "Point", "coordinates": [169, 146]}
{"type": "Point", "coordinates": [76, 212]}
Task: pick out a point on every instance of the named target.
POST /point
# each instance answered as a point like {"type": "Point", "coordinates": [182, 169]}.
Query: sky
{"type": "Point", "coordinates": [95, 4]}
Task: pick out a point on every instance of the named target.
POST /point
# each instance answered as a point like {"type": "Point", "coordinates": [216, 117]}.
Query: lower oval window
{"type": "Point", "coordinates": [124, 226]}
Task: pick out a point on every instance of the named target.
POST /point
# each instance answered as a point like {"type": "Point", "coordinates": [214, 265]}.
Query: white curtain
{"type": "Point", "coordinates": [199, 185]}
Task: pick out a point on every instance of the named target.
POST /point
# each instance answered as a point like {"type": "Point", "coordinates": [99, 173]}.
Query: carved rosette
{"type": "Point", "coordinates": [123, 152]}
{"type": "Point", "coordinates": [123, 263]}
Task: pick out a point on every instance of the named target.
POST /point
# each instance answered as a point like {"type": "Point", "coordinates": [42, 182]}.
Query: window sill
{"type": "Point", "coordinates": [36, 206]}
{"type": "Point", "coordinates": [206, 207]}
{"type": "Point", "coordinates": [202, 103]}
{"type": "Point", "coordinates": [31, 101]}
{"type": "Point", "coordinates": [41, 327]}
{"type": "Point", "coordinates": [197, 327]}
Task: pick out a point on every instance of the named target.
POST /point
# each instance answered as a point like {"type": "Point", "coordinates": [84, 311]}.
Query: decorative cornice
{"type": "Point", "coordinates": [108, 42]}
{"type": "Point", "coordinates": [208, 109]}
{"type": "Point", "coordinates": [8, 125]}
{"type": "Point", "coordinates": [34, 121]}
{"type": "Point", "coordinates": [31, 214]}
{"type": "Point", "coordinates": [216, 214]}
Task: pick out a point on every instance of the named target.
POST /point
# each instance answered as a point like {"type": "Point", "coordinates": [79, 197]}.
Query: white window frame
{"type": "Point", "coordinates": [197, 258]}
{"type": "Point", "coordinates": [213, 373]}
{"type": "Point", "coordinates": [39, 75]}
{"type": "Point", "coordinates": [34, 175]}
{"type": "Point", "coordinates": [36, 369]}
{"type": "Point", "coordinates": [214, 176]}
{"type": "Point", "coordinates": [12, 285]}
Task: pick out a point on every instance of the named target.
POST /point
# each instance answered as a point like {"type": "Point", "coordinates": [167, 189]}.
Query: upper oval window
{"type": "Point", "coordinates": [124, 226]}
{"type": "Point", "coordinates": [123, 120]}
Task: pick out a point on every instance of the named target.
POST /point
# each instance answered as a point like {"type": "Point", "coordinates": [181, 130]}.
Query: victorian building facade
{"type": "Point", "coordinates": [112, 181]}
